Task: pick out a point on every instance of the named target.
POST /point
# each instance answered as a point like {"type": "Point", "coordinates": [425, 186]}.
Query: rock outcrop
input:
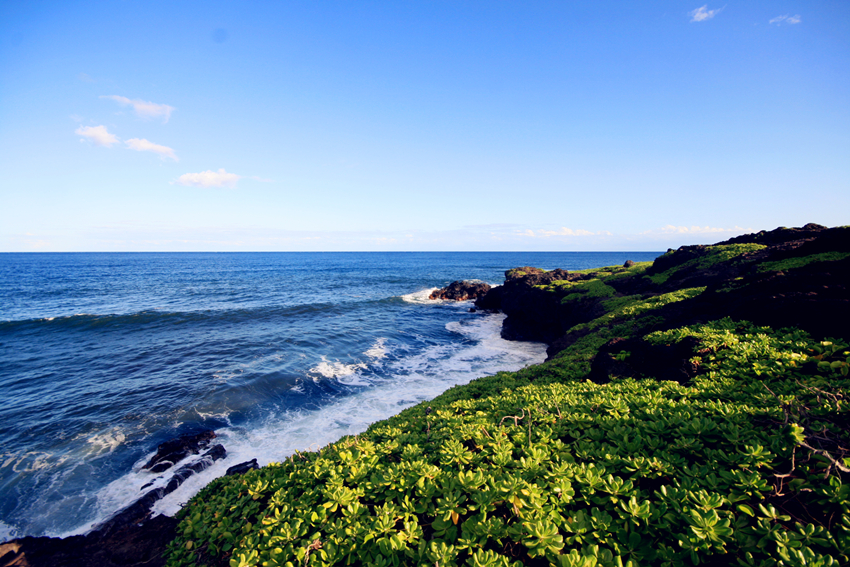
{"type": "Point", "coordinates": [461, 291]}
{"type": "Point", "coordinates": [174, 450]}
{"type": "Point", "coordinates": [785, 277]}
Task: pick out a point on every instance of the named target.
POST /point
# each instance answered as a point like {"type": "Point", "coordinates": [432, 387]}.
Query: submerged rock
{"type": "Point", "coordinates": [140, 510]}
{"type": "Point", "coordinates": [171, 452]}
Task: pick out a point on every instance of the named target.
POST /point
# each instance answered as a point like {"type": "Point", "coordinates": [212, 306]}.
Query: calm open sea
{"type": "Point", "coordinates": [105, 355]}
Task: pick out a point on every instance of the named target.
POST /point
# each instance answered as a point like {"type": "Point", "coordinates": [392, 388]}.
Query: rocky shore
{"type": "Point", "coordinates": [788, 277]}
{"type": "Point", "coordinates": [131, 537]}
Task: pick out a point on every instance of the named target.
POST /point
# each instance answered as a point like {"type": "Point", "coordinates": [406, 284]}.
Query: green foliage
{"type": "Point", "coordinates": [543, 467]}
{"type": "Point", "coordinates": [586, 289]}
{"type": "Point", "coordinates": [800, 261]}
{"type": "Point", "coordinates": [614, 270]}
{"type": "Point", "coordinates": [629, 308]}
{"type": "Point", "coordinates": [714, 255]}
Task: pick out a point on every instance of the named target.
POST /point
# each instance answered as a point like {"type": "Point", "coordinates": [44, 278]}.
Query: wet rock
{"type": "Point", "coordinates": [242, 468]}
{"type": "Point", "coordinates": [171, 452]}
{"type": "Point", "coordinates": [140, 510]}
{"type": "Point", "coordinates": [461, 291]}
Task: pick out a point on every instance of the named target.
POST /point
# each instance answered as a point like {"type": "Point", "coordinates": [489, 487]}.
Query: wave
{"type": "Point", "coordinates": [421, 297]}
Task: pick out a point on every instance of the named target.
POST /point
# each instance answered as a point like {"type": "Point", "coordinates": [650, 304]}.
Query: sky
{"type": "Point", "coordinates": [131, 125]}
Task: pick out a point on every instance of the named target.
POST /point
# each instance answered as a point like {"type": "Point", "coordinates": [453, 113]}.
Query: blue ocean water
{"type": "Point", "coordinates": [105, 355]}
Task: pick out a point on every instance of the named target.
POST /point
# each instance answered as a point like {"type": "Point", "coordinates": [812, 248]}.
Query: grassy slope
{"type": "Point", "coordinates": [742, 464]}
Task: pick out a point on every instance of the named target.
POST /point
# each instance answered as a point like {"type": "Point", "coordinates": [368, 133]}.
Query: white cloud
{"type": "Point", "coordinates": [564, 231]}
{"type": "Point", "coordinates": [671, 229]}
{"type": "Point", "coordinates": [209, 178]}
{"type": "Point", "coordinates": [786, 19]}
{"type": "Point", "coordinates": [144, 109]}
{"type": "Point", "coordinates": [97, 134]}
{"type": "Point", "coordinates": [701, 14]}
{"type": "Point", "coordinates": [142, 145]}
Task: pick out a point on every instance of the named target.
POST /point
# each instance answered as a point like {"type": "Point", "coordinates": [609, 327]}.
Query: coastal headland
{"type": "Point", "coordinates": [692, 411]}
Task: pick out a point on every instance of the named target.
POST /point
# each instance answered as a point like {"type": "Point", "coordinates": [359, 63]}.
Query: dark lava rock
{"type": "Point", "coordinates": [461, 291]}
{"type": "Point", "coordinates": [628, 264]}
{"type": "Point", "coordinates": [131, 538]}
{"type": "Point", "coordinates": [492, 300]}
{"type": "Point", "coordinates": [175, 450]}
{"type": "Point", "coordinates": [242, 468]}
{"type": "Point", "coordinates": [131, 546]}
{"type": "Point", "coordinates": [532, 313]}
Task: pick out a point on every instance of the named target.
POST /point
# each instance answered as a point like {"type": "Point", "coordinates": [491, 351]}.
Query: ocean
{"type": "Point", "coordinates": [105, 355]}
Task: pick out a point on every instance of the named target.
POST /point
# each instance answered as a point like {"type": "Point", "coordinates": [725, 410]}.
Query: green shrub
{"type": "Point", "coordinates": [800, 261]}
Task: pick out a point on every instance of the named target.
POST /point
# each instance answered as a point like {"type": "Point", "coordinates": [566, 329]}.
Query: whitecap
{"type": "Point", "coordinates": [336, 369]}
{"type": "Point", "coordinates": [421, 296]}
{"type": "Point", "coordinates": [378, 350]}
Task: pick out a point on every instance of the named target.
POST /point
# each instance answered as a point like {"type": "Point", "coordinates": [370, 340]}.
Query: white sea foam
{"type": "Point", "coordinates": [32, 461]}
{"type": "Point", "coordinates": [336, 369]}
{"type": "Point", "coordinates": [7, 532]}
{"type": "Point", "coordinates": [421, 296]}
{"type": "Point", "coordinates": [106, 442]}
{"type": "Point", "coordinates": [378, 350]}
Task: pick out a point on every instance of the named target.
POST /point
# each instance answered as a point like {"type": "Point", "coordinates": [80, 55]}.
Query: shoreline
{"type": "Point", "coordinates": [530, 292]}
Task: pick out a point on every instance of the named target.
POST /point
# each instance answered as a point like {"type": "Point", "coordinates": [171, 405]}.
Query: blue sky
{"type": "Point", "coordinates": [439, 125]}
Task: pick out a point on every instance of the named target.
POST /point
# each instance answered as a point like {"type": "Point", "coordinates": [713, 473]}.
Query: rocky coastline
{"type": "Point", "coordinates": [762, 285]}
{"type": "Point", "coordinates": [787, 277]}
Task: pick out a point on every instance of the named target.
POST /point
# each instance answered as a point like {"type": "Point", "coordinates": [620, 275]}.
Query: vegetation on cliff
{"type": "Point", "coordinates": [665, 429]}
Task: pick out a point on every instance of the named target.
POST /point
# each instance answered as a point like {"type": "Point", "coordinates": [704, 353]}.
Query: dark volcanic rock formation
{"type": "Point", "coordinates": [170, 452]}
{"type": "Point", "coordinates": [140, 510]}
{"type": "Point", "coordinates": [461, 291]}
{"type": "Point", "coordinates": [533, 314]}
{"type": "Point", "coordinates": [786, 277]}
